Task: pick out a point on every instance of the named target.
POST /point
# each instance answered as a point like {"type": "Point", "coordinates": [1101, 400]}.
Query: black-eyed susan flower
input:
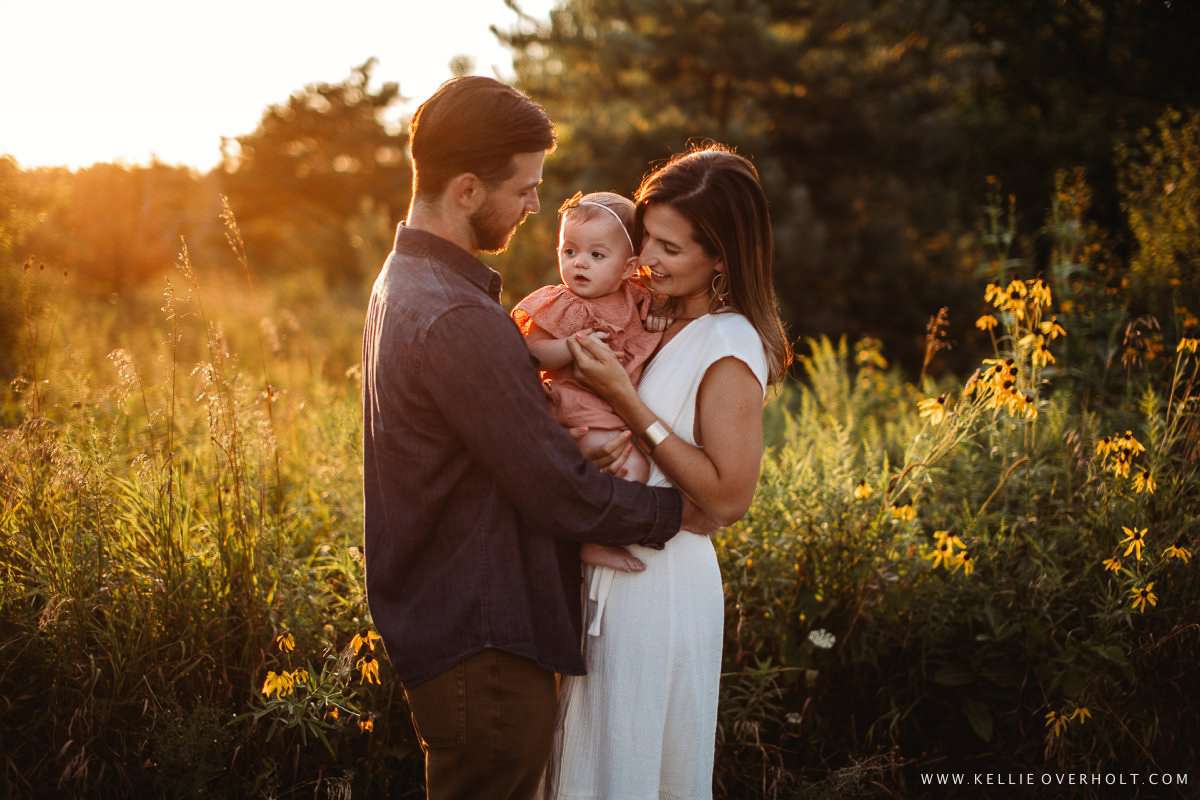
{"type": "Point", "coordinates": [1136, 539]}
{"type": "Point", "coordinates": [1131, 444]}
{"type": "Point", "coordinates": [1057, 721]}
{"type": "Point", "coordinates": [1052, 329]}
{"type": "Point", "coordinates": [332, 713]}
{"type": "Point", "coordinates": [367, 637]}
{"type": "Point", "coordinates": [1143, 595]}
{"type": "Point", "coordinates": [1177, 550]}
{"type": "Point", "coordinates": [285, 642]}
{"type": "Point", "coordinates": [1104, 446]}
{"type": "Point", "coordinates": [986, 322]}
{"type": "Point", "coordinates": [1081, 714]}
{"type": "Point", "coordinates": [934, 408]}
{"type": "Point", "coordinates": [279, 685]}
{"type": "Point", "coordinates": [1143, 481]}
{"type": "Point", "coordinates": [1112, 564]}
{"type": "Point", "coordinates": [370, 669]}
{"type": "Point", "coordinates": [965, 560]}
{"type": "Point", "coordinates": [904, 510]}
{"type": "Point", "coordinates": [1187, 343]}
{"type": "Point", "coordinates": [366, 724]}
{"type": "Point", "coordinates": [942, 554]}
{"type": "Point", "coordinates": [862, 491]}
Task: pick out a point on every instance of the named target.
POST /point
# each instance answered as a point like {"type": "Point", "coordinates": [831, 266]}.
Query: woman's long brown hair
{"type": "Point", "coordinates": [720, 193]}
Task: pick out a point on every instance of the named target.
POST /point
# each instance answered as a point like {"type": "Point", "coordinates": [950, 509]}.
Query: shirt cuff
{"type": "Point", "coordinates": [668, 515]}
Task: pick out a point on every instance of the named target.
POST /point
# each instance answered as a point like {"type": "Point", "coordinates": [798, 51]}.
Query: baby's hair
{"type": "Point", "coordinates": [583, 206]}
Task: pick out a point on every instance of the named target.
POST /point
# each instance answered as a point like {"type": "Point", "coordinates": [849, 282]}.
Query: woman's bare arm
{"type": "Point", "coordinates": [721, 476]}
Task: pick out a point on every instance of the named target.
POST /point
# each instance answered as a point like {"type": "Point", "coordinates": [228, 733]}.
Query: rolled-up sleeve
{"type": "Point", "coordinates": [478, 370]}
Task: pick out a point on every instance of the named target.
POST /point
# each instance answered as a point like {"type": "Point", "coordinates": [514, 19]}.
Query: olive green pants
{"type": "Point", "coordinates": [486, 726]}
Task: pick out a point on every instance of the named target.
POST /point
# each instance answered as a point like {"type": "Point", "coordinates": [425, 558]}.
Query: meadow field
{"type": "Point", "coordinates": [986, 572]}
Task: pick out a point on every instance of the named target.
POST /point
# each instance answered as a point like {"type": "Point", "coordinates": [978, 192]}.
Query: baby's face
{"type": "Point", "coordinates": [593, 254]}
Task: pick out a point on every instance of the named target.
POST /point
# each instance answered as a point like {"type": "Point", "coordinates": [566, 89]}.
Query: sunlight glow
{"type": "Point", "coordinates": [130, 80]}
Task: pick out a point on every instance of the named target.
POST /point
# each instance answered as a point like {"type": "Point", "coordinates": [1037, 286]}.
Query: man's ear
{"type": "Point", "coordinates": [466, 191]}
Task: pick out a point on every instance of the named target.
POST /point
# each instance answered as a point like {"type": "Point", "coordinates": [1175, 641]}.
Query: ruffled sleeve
{"type": "Point", "coordinates": [555, 309]}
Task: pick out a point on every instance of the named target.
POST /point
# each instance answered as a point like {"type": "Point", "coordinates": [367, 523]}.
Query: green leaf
{"type": "Point", "coordinates": [979, 716]}
{"type": "Point", "coordinates": [953, 675]}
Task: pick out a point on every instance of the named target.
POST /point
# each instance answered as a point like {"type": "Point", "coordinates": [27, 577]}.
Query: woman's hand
{"type": "Point", "coordinates": [597, 368]}
{"type": "Point", "coordinates": [611, 456]}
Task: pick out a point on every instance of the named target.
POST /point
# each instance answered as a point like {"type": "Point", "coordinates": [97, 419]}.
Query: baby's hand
{"type": "Point", "coordinates": [657, 323]}
{"type": "Point", "coordinates": [594, 335]}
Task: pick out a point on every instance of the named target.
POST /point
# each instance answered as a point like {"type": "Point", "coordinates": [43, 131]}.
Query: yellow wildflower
{"type": "Point", "coordinates": [934, 408]}
{"type": "Point", "coordinates": [370, 669]}
{"type": "Point", "coordinates": [862, 491]}
{"type": "Point", "coordinates": [966, 561]}
{"type": "Point", "coordinates": [942, 554]}
{"type": "Point", "coordinates": [1112, 564]}
{"type": "Point", "coordinates": [1057, 721]}
{"type": "Point", "coordinates": [986, 322]}
{"type": "Point", "coordinates": [1177, 550]}
{"type": "Point", "coordinates": [1081, 713]}
{"type": "Point", "coordinates": [366, 725]}
{"type": "Point", "coordinates": [1142, 596]}
{"type": "Point", "coordinates": [1132, 444]}
{"type": "Point", "coordinates": [1144, 482]}
{"type": "Point", "coordinates": [1039, 292]}
{"type": "Point", "coordinates": [332, 713]}
{"type": "Point", "coordinates": [1104, 446]}
{"type": "Point", "coordinates": [1052, 329]}
{"type": "Point", "coordinates": [1136, 537]}
{"type": "Point", "coordinates": [1187, 343]}
{"type": "Point", "coordinates": [285, 642]}
{"type": "Point", "coordinates": [280, 685]}
{"type": "Point", "coordinates": [904, 510]}
{"type": "Point", "coordinates": [366, 637]}
{"type": "Point", "coordinates": [1042, 355]}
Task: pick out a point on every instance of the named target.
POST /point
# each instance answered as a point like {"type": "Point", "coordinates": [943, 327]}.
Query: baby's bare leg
{"type": "Point", "coordinates": [637, 468]}
{"type": "Point", "coordinates": [603, 555]}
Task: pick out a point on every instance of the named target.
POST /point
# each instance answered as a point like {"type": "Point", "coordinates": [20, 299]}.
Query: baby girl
{"type": "Point", "coordinates": [596, 260]}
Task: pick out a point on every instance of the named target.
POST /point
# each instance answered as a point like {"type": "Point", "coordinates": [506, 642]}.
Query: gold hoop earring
{"type": "Point", "coordinates": [721, 292]}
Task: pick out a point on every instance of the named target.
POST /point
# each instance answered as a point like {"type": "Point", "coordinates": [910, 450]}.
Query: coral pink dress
{"type": "Point", "coordinates": [560, 312]}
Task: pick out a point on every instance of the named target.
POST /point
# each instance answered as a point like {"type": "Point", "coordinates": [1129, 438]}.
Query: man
{"type": "Point", "coordinates": [476, 499]}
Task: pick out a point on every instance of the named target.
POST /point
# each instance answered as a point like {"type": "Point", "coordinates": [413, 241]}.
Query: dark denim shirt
{"type": "Point", "coordinates": [476, 499]}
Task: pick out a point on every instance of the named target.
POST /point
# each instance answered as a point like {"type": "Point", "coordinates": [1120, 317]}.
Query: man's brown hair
{"type": "Point", "coordinates": [474, 124]}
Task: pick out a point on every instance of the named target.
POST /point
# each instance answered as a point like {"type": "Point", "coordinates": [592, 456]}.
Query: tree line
{"type": "Point", "coordinates": [876, 126]}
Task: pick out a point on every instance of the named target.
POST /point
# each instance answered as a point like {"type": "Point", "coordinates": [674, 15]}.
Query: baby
{"type": "Point", "coordinates": [596, 260]}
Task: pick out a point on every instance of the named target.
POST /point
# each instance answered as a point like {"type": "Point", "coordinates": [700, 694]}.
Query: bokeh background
{"type": "Point", "coordinates": [193, 206]}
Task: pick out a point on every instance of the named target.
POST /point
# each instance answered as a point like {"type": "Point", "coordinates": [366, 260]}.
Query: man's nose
{"type": "Point", "coordinates": [534, 205]}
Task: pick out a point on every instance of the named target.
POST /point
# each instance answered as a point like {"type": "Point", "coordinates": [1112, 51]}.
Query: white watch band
{"type": "Point", "coordinates": [655, 435]}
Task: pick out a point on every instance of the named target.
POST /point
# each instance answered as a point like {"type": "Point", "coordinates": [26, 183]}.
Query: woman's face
{"type": "Point", "coordinates": [679, 266]}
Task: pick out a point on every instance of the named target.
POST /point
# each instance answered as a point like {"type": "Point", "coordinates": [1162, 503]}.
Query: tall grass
{"type": "Point", "coordinates": [920, 584]}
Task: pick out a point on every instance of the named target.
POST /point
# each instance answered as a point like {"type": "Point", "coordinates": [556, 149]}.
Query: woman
{"type": "Point", "coordinates": [642, 723]}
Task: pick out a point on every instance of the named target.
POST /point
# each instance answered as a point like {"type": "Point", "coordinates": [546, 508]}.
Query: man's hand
{"type": "Point", "coordinates": [697, 521]}
{"type": "Point", "coordinates": [611, 456]}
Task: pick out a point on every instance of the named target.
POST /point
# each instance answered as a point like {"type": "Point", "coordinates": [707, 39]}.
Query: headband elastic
{"type": "Point", "coordinates": [576, 202]}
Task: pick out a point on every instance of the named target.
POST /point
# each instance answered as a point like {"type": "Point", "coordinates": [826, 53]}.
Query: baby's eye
{"type": "Point", "coordinates": [568, 251]}
{"type": "Point", "coordinates": [597, 255]}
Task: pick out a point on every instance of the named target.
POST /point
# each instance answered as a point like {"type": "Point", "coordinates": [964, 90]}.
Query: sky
{"type": "Point", "coordinates": [128, 80]}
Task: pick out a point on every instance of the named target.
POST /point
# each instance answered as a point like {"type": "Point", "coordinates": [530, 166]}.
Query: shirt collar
{"type": "Point", "coordinates": [418, 242]}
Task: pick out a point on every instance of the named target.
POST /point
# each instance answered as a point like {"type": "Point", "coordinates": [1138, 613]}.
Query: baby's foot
{"type": "Point", "coordinates": [617, 558]}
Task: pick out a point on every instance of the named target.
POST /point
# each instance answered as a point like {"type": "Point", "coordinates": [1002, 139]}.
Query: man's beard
{"type": "Point", "coordinates": [490, 232]}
